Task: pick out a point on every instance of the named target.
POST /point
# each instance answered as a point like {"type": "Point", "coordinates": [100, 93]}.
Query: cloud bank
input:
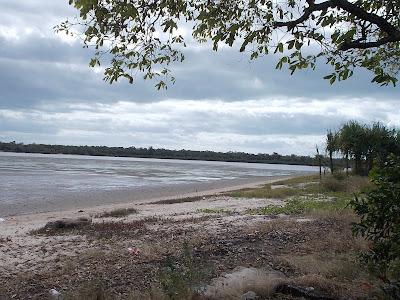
{"type": "Point", "coordinates": [221, 101]}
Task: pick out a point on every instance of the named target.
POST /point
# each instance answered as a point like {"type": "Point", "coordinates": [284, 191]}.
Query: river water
{"type": "Point", "coordinates": [39, 182]}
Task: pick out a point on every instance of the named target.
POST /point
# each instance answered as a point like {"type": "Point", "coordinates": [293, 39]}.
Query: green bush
{"type": "Point", "coordinates": [379, 210]}
{"type": "Point", "coordinates": [332, 184]}
{"type": "Point", "coordinates": [339, 175]}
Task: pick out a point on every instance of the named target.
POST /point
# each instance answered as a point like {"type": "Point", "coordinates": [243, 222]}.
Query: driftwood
{"type": "Point", "coordinates": [296, 291]}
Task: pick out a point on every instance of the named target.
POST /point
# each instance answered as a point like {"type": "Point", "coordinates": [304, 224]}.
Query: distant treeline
{"type": "Point", "coordinates": [151, 152]}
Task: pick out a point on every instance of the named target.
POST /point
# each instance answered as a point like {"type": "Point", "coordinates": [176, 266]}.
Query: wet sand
{"type": "Point", "coordinates": [103, 198]}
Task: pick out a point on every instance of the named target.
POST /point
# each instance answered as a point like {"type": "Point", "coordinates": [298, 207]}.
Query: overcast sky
{"type": "Point", "coordinates": [221, 101]}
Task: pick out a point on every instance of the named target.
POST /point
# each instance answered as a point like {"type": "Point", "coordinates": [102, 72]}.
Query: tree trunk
{"type": "Point", "coordinates": [320, 167]}
{"type": "Point", "coordinates": [331, 161]}
{"type": "Point", "coordinates": [347, 163]}
{"type": "Point", "coordinates": [357, 159]}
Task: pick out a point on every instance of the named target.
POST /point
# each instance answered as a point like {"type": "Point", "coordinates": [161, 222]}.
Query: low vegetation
{"type": "Point", "coordinates": [308, 186]}
{"type": "Point", "coordinates": [118, 213]}
{"type": "Point", "coordinates": [102, 230]}
{"type": "Point", "coordinates": [215, 211]}
{"type": "Point", "coordinates": [299, 206]}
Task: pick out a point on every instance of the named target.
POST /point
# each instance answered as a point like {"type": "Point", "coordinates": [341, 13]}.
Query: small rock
{"type": "Point", "coordinates": [250, 295]}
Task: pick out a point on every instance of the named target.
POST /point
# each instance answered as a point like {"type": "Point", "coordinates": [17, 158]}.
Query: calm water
{"type": "Point", "coordinates": [39, 182]}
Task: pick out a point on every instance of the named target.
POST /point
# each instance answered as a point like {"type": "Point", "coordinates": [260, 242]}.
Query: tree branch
{"type": "Point", "coordinates": [393, 33]}
{"type": "Point", "coordinates": [359, 45]}
{"type": "Point", "coordinates": [364, 15]}
{"type": "Point", "coordinates": [307, 13]}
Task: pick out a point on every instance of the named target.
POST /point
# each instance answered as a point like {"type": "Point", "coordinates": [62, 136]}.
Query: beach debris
{"type": "Point", "coordinates": [245, 283]}
{"type": "Point", "coordinates": [250, 295]}
{"type": "Point", "coordinates": [5, 240]}
{"type": "Point", "coordinates": [305, 293]}
{"type": "Point", "coordinates": [2, 220]}
{"type": "Point", "coordinates": [68, 223]}
{"type": "Point", "coordinates": [55, 295]}
{"type": "Point", "coordinates": [134, 250]}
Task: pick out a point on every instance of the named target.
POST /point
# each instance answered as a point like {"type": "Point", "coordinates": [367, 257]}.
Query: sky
{"type": "Point", "coordinates": [221, 100]}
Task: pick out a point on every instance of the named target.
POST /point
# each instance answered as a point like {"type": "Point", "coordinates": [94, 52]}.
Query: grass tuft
{"type": "Point", "coordinates": [298, 206]}
{"type": "Point", "coordinates": [118, 213]}
{"type": "Point", "coordinates": [265, 192]}
{"type": "Point", "coordinates": [297, 180]}
{"type": "Point", "coordinates": [102, 230]}
{"type": "Point", "coordinates": [215, 211]}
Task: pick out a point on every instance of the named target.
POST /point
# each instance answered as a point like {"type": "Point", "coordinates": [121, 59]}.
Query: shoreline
{"type": "Point", "coordinates": [107, 198]}
{"type": "Point", "coordinates": [22, 223]}
{"type": "Point", "coordinates": [270, 162]}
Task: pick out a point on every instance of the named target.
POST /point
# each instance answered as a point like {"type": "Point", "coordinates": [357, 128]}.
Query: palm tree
{"type": "Point", "coordinates": [344, 144]}
{"type": "Point", "coordinates": [353, 142]}
{"type": "Point", "coordinates": [331, 146]}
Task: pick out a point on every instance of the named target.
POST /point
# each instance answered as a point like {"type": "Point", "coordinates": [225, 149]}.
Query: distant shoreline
{"type": "Point", "coordinates": [150, 152]}
{"type": "Point", "coordinates": [172, 158]}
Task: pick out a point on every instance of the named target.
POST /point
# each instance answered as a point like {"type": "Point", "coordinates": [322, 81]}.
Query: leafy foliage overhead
{"type": "Point", "coordinates": [144, 36]}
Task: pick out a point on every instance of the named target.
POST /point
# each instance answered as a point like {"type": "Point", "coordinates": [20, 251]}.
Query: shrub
{"type": "Point", "coordinates": [118, 213]}
{"type": "Point", "coordinates": [332, 184]}
{"type": "Point", "coordinates": [339, 175]}
{"type": "Point", "coordinates": [379, 209]}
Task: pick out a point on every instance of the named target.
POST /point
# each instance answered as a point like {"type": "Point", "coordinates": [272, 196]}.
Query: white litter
{"type": "Point", "coordinates": [54, 294]}
{"type": "Point", "coordinates": [2, 220]}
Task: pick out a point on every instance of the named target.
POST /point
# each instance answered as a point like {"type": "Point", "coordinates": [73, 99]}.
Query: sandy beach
{"type": "Point", "coordinates": [23, 222]}
{"type": "Point", "coordinates": [125, 250]}
{"type": "Point", "coordinates": [23, 252]}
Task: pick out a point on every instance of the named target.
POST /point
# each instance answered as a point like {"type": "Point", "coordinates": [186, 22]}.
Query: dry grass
{"type": "Point", "coordinates": [234, 285]}
{"type": "Point", "coordinates": [351, 184]}
{"type": "Point", "coordinates": [180, 200]}
{"type": "Point", "coordinates": [298, 180]}
{"type": "Point", "coordinates": [90, 290]}
{"type": "Point", "coordinates": [118, 213]}
{"type": "Point", "coordinates": [326, 255]}
{"type": "Point", "coordinates": [265, 192]}
{"type": "Point", "coordinates": [330, 266]}
{"type": "Point", "coordinates": [216, 211]}
{"type": "Point", "coordinates": [98, 230]}
{"type": "Point", "coordinates": [307, 185]}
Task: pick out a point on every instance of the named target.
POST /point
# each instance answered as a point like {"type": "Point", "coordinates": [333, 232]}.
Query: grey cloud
{"type": "Point", "coordinates": [44, 69]}
{"type": "Point", "coordinates": [166, 124]}
{"type": "Point", "coordinates": [42, 76]}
